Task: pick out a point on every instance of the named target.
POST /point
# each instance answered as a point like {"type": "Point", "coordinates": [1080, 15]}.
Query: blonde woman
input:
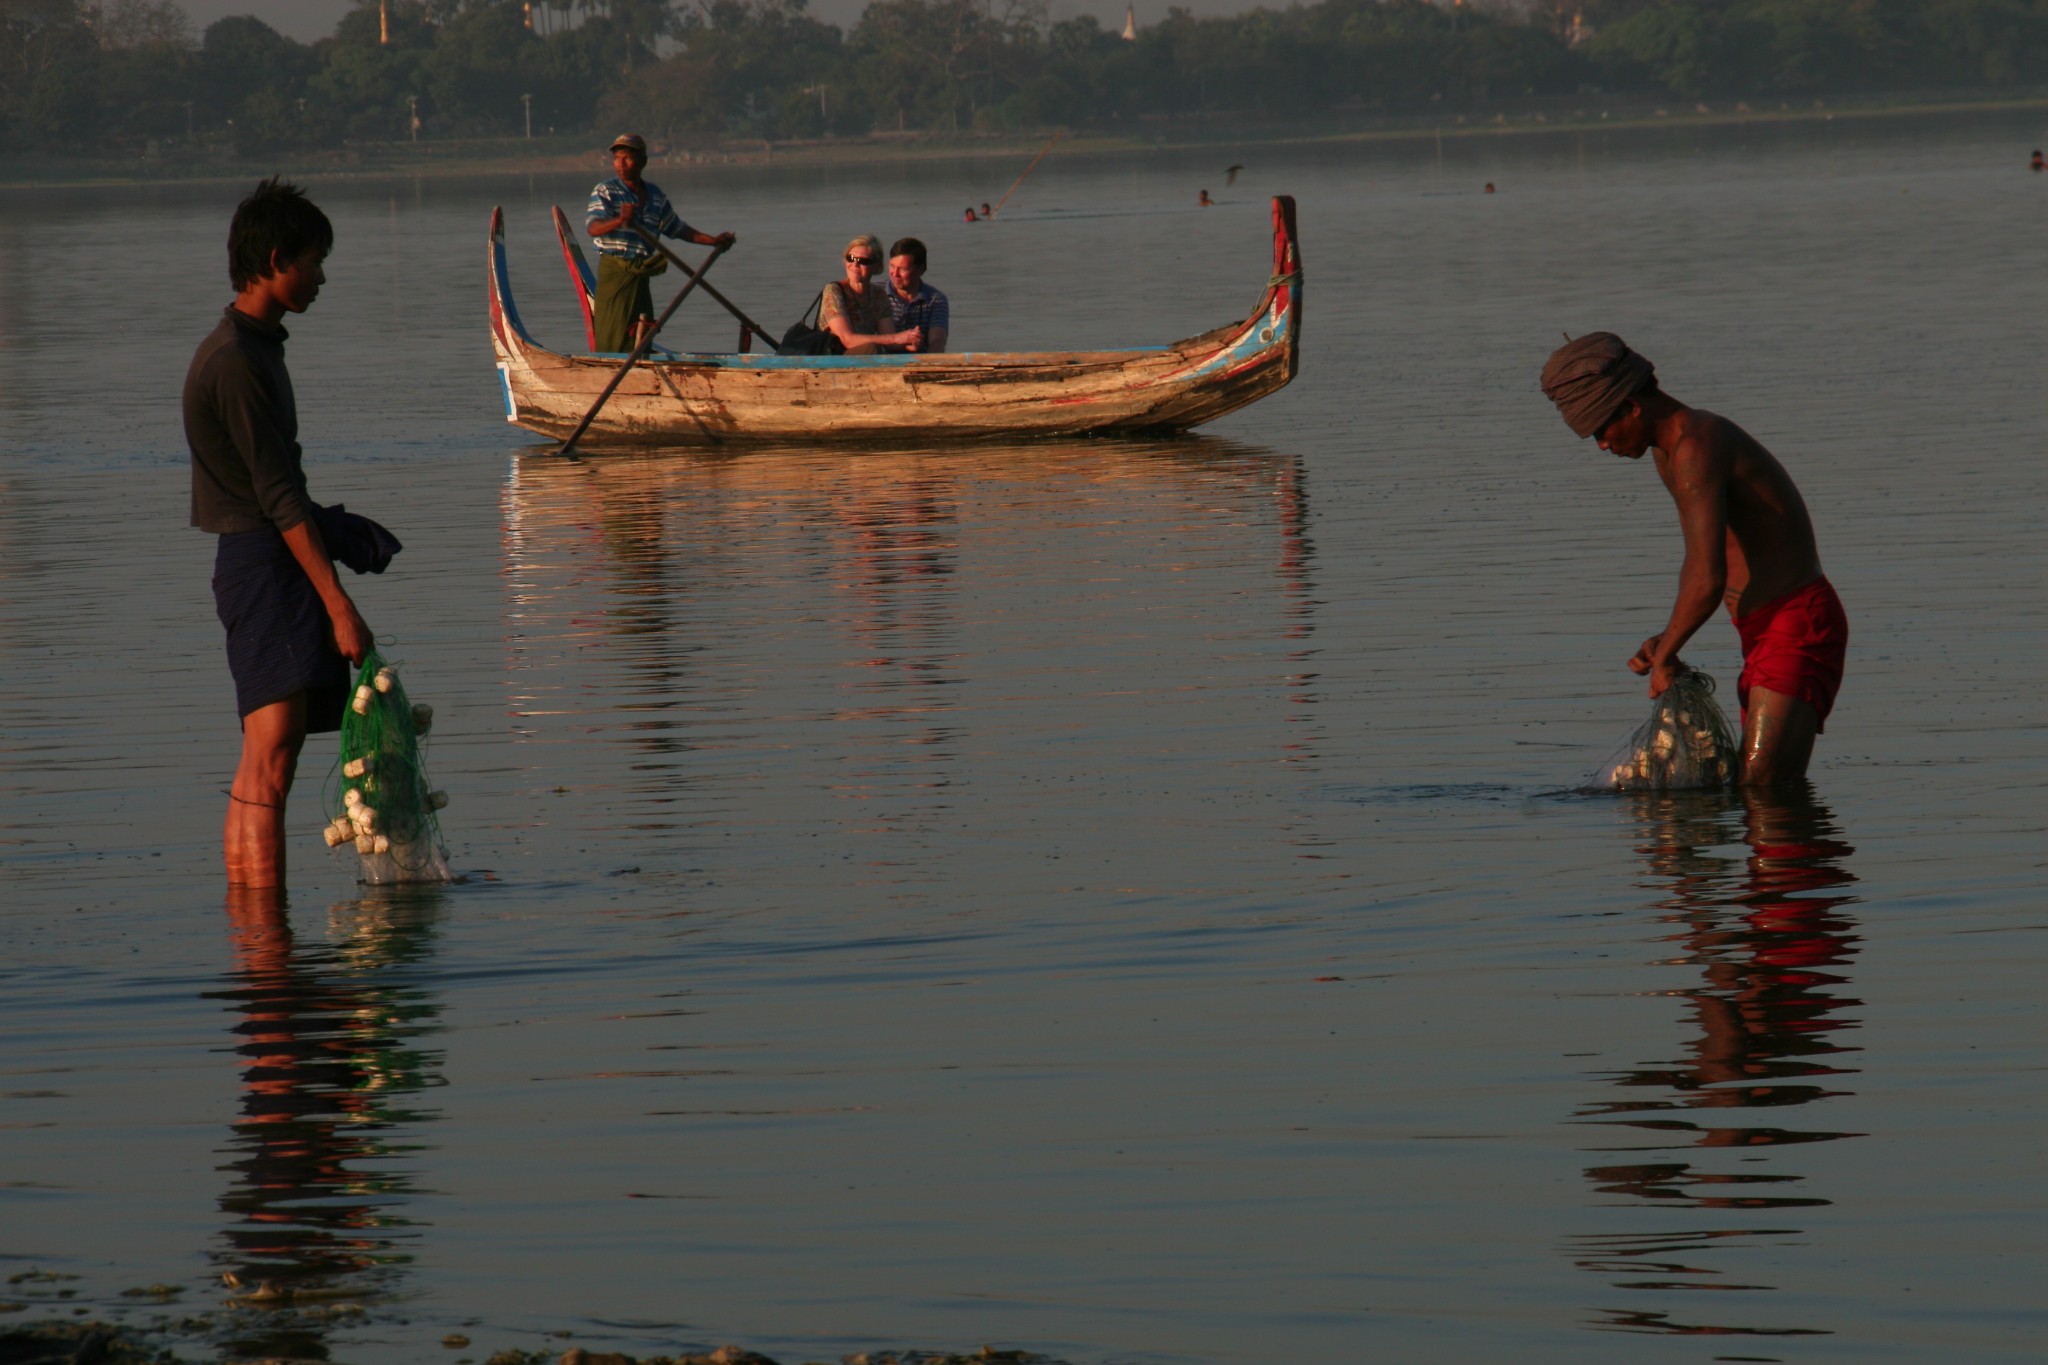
{"type": "Point", "coordinates": [856, 309]}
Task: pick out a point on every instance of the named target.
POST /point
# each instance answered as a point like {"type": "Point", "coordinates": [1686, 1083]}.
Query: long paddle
{"type": "Point", "coordinates": [1027, 171]}
{"type": "Point", "coordinates": [726, 303]}
{"type": "Point", "coordinates": [646, 340]}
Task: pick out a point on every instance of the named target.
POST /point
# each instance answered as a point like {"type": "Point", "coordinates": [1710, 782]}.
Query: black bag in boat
{"type": "Point", "coordinates": [804, 339]}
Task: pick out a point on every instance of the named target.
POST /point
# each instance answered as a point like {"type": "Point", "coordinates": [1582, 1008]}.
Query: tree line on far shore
{"type": "Point", "coordinates": [115, 76]}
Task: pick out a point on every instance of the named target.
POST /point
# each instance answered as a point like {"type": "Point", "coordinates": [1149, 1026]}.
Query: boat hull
{"type": "Point", "coordinates": [735, 398]}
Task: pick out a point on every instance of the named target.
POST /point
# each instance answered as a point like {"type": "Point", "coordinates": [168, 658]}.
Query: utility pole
{"type": "Point", "coordinates": [527, 100]}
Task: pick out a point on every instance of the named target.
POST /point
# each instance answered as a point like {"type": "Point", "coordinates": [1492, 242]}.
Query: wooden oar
{"type": "Point", "coordinates": [726, 303]}
{"type": "Point", "coordinates": [1027, 170]}
{"type": "Point", "coordinates": [646, 341]}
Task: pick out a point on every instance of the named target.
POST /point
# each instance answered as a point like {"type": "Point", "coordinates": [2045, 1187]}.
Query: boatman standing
{"type": "Point", "coordinates": [292, 629]}
{"type": "Point", "coordinates": [1748, 542]}
{"type": "Point", "coordinates": [625, 259]}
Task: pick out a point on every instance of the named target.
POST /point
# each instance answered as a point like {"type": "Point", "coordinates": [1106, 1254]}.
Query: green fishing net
{"type": "Point", "coordinates": [1685, 743]}
{"type": "Point", "coordinates": [378, 798]}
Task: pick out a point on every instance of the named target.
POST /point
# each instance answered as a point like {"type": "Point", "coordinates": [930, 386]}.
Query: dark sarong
{"type": "Point", "coordinates": [622, 295]}
{"type": "Point", "coordinates": [280, 640]}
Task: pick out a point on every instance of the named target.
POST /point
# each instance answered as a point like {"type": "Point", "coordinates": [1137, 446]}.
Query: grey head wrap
{"type": "Point", "coordinates": [1591, 377]}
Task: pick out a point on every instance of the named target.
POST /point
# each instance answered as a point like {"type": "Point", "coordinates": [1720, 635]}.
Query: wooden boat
{"type": "Point", "coordinates": [719, 399]}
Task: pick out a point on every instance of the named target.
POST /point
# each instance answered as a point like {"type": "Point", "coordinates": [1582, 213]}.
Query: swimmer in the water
{"type": "Point", "coordinates": [1205, 201]}
{"type": "Point", "coordinates": [2038, 163]}
{"type": "Point", "coordinates": [970, 215]}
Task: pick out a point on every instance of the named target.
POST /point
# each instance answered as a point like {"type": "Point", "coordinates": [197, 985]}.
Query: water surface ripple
{"type": "Point", "coordinates": [1112, 898]}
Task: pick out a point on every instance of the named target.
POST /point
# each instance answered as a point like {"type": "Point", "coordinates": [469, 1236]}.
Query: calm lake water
{"type": "Point", "coordinates": [1112, 899]}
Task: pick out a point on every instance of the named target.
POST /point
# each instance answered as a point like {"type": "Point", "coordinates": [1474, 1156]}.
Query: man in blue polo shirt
{"type": "Point", "coordinates": [913, 302]}
{"type": "Point", "coordinates": [625, 261]}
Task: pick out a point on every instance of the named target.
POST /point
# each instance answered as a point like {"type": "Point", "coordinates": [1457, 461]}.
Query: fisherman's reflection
{"type": "Point", "coordinates": [1771, 937]}
{"type": "Point", "coordinates": [321, 1164]}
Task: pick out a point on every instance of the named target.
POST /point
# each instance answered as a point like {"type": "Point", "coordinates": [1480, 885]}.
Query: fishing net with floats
{"type": "Point", "coordinates": [378, 797]}
{"type": "Point", "coordinates": [1686, 743]}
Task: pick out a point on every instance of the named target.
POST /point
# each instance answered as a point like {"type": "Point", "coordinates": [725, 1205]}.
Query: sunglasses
{"type": "Point", "coordinates": [869, 261]}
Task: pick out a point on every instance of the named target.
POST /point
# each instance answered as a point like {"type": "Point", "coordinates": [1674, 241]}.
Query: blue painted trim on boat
{"type": "Point", "coordinates": [736, 361]}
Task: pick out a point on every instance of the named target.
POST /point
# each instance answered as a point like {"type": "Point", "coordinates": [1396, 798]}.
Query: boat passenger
{"type": "Point", "coordinates": [624, 307]}
{"type": "Point", "coordinates": [913, 303]}
{"type": "Point", "coordinates": [1748, 542]}
{"type": "Point", "coordinates": [856, 310]}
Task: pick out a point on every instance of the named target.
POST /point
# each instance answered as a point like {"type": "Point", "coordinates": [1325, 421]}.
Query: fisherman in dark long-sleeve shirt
{"type": "Point", "coordinates": [292, 629]}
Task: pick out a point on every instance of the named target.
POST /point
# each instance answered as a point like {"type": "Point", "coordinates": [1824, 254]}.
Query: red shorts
{"type": "Point", "coordinates": [1795, 645]}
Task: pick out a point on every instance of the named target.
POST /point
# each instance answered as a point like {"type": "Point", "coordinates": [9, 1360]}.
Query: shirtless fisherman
{"type": "Point", "coordinates": [1748, 542]}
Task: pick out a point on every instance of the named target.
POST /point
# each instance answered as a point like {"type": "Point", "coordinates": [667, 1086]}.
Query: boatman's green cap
{"type": "Point", "coordinates": [633, 140]}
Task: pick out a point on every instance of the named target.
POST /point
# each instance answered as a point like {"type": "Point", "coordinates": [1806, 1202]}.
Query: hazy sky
{"type": "Point", "coordinates": [310, 19]}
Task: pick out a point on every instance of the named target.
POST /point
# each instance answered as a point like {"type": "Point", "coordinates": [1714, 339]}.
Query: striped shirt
{"type": "Point", "coordinates": [928, 310]}
{"type": "Point", "coordinates": [657, 215]}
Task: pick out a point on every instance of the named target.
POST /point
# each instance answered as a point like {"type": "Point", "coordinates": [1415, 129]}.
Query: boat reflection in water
{"type": "Point", "coordinates": [1771, 938]}
{"type": "Point", "coordinates": [322, 1159]}
{"type": "Point", "coordinates": [847, 613]}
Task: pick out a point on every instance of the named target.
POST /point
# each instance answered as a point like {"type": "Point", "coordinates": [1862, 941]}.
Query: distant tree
{"type": "Point", "coordinates": [482, 57]}
{"type": "Point", "coordinates": [111, 73]}
{"type": "Point", "coordinates": [1669, 44]}
{"type": "Point", "coordinates": [250, 78]}
{"type": "Point", "coordinates": [1804, 46]}
{"type": "Point", "coordinates": [752, 66]}
{"type": "Point", "coordinates": [144, 72]}
{"type": "Point", "coordinates": [47, 65]}
{"type": "Point", "coordinates": [141, 25]}
{"type": "Point", "coordinates": [935, 63]}
{"type": "Point", "coordinates": [364, 88]}
{"type": "Point", "coordinates": [1997, 43]}
{"type": "Point", "coordinates": [1503, 60]}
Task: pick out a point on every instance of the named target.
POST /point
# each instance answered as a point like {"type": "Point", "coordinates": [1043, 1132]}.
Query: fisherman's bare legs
{"type": "Point", "coordinates": [253, 840]}
{"type": "Point", "coordinates": [1777, 737]}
